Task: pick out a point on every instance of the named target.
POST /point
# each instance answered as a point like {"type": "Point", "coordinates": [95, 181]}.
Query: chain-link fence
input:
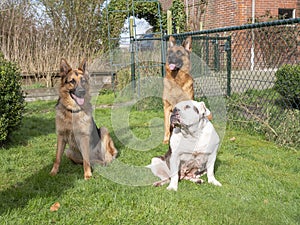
{"type": "Point", "coordinates": [254, 68]}
{"type": "Point", "coordinates": [257, 68]}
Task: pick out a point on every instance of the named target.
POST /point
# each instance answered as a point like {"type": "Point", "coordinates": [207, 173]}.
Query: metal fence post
{"type": "Point", "coordinates": [132, 63]}
{"type": "Point", "coordinates": [228, 56]}
{"type": "Point", "coordinates": [163, 56]}
{"type": "Point", "coordinates": [216, 54]}
{"type": "Point", "coordinates": [206, 54]}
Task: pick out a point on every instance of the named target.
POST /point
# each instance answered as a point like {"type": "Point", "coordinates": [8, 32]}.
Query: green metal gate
{"type": "Point", "coordinates": [215, 52]}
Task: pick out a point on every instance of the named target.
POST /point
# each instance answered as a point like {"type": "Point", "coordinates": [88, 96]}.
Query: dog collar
{"type": "Point", "coordinates": [69, 110]}
{"type": "Point", "coordinates": [74, 111]}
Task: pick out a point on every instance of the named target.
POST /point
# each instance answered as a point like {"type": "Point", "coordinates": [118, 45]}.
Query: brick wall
{"type": "Point", "coordinates": [219, 14]}
{"type": "Point", "coordinates": [222, 13]}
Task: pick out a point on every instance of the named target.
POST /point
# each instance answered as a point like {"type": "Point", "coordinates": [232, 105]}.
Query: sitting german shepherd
{"type": "Point", "coordinates": [178, 82]}
{"type": "Point", "coordinates": [75, 126]}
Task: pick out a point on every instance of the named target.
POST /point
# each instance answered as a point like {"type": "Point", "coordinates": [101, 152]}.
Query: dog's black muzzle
{"type": "Point", "coordinates": [173, 59]}
{"type": "Point", "coordinates": [79, 92]}
{"type": "Point", "coordinates": [175, 118]}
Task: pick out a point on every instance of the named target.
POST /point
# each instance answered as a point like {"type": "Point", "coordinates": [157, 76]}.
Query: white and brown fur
{"type": "Point", "coordinates": [75, 125]}
{"type": "Point", "coordinates": [193, 147]}
{"type": "Point", "coordinates": [178, 82]}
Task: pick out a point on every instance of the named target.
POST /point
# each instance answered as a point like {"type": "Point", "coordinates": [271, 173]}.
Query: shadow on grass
{"type": "Point", "coordinates": [32, 126]}
{"type": "Point", "coordinates": [38, 186]}
{"type": "Point", "coordinates": [38, 119]}
{"type": "Point", "coordinates": [218, 163]}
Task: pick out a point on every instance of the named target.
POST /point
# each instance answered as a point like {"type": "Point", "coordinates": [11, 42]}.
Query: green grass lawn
{"type": "Point", "coordinates": [261, 181]}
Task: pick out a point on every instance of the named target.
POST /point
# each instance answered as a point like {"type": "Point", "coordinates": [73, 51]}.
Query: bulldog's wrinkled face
{"type": "Point", "coordinates": [187, 115]}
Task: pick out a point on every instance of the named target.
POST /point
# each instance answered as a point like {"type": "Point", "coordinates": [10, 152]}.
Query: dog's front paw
{"type": "Point", "coordinates": [87, 176]}
{"type": "Point", "coordinates": [172, 188]}
{"type": "Point", "coordinates": [215, 182]}
{"type": "Point", "coordinates": [54, 171]}
{"type": "Point", "coordinates": [157, 184]}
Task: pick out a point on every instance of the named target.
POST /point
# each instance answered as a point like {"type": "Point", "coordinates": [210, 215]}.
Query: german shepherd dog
{"type": "Point", "coordinates": [178, 83]}
{"type": "Point", "coordinates": [75, 125]}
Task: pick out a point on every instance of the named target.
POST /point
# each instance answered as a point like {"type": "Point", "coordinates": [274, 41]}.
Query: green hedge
{"type": "Point", "coordinates": [11, 98]}
{"type": "Point", "coordinates": [287, 84]}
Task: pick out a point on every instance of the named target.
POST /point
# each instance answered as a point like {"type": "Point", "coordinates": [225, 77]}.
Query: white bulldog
{"type": "Point", "coordinates": [193, 147]}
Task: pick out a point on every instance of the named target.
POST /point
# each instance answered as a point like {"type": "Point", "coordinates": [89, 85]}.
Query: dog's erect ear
{"type": "Point", "coordinates": [82, 66]}
{"type": "Point", "coordinates": [187, 43]}
{"type": "Point", "coordinates": [64, 67]}
{"type": "Point", "coordinates": [172, 42]}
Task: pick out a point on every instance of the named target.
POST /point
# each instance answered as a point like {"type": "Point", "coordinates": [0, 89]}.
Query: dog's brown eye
{"type": "Point", "coordinates": [186, 107]}
{"type": "Point", "coordinates": [73, 81]}
{"type": "Point", "coordinates": [179, 53]}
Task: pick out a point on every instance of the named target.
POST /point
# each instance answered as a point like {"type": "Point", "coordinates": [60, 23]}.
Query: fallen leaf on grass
{"type": "Point", "coordinates": [232, 139]}
{"type": "Point", "coordinates": [54, 207]}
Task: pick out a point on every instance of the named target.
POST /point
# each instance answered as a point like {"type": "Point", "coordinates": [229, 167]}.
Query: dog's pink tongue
{"type": "Point", "coordinates": [80, 101]}
{"type": "Point", "coordinates": [172, 66]}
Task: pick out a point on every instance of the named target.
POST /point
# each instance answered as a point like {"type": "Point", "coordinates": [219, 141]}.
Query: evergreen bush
{"type": "Point", "coordinates": [287, 84]}
{"type": "Point", "coordinates": [11, 98]}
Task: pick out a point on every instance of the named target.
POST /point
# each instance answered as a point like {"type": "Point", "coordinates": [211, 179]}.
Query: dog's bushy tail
{"type": "Point", "coordinates": [108, 144]}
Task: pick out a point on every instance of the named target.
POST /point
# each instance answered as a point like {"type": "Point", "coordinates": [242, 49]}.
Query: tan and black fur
{"type": "Point", "coordinates": [75, 125]}
{"type": "Point", "coordinates": [178, 82]}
